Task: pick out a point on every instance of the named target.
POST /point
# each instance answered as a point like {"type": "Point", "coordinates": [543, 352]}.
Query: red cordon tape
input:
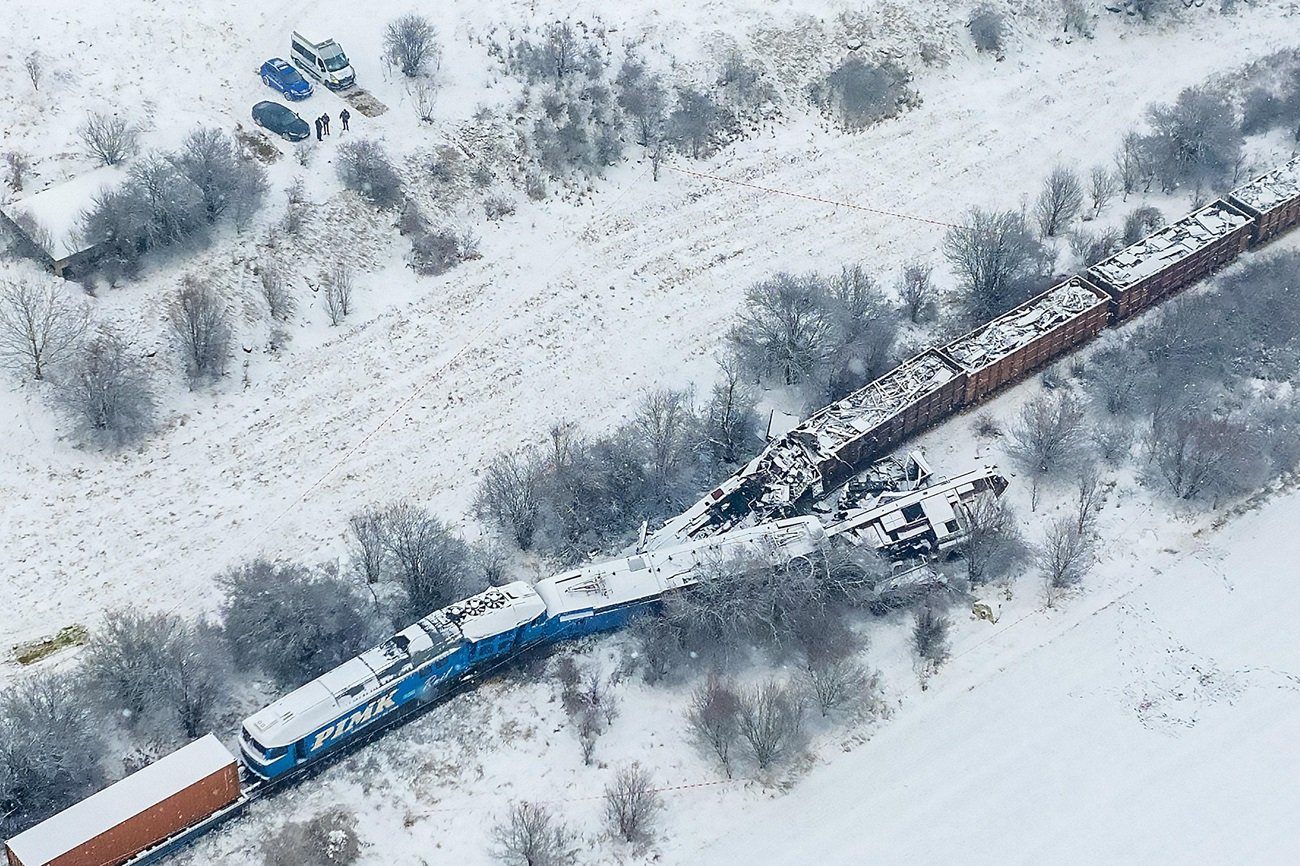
{"type": "Point", "coordinates": [774, 191]}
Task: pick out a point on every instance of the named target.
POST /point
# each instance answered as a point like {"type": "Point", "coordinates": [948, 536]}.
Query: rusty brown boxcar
{"type": "Point", "coordinates": [121, 821]}
{"type": "Point", "coordinates": [1031, 335]}
{"type": "Point", "coordinates": [1172, 258]}
{"type": "Point", "coordinates": [1272, 199]}
{"type": "Point", "coordinates": [846, 435]}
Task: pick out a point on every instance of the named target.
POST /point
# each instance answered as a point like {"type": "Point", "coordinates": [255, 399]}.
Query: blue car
{"type": "Point", "coordinates": [278, 75]}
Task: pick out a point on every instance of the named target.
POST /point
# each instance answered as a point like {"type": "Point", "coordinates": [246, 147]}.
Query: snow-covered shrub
{"type": "Point", "coordinates": [105, 388]}
{"type": "Point", "coordinates": [988, 30]}
{"type": "Point", "coordinates": [857, 94]}
{"type": "Point", "coordinates": [364, 168]}
{"type": "Point", "coordinates": [328, 839]}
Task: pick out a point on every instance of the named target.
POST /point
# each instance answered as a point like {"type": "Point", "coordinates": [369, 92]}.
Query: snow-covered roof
{"type": "Point", "coordinates": [58, 210]}
{"type": "Point", "coordinates": [869, 407]}
{"type": "Point", "coordinates": [1007, 333]}
{"type": "Point", "coordinates": [359, 680]}
{"type": "Point", "coordinates": [495, 610]}
{"type": "Point", "coordinates": [899, 517]}
{"type": "Point", "coordinates": [649, 573]}
{"type": "Point", "coordinates": [103, 811]}
{"type": "Point", "coordinates": [794, 458]}
{"type": "Point", "coordinates": [1171, 244]}
{"type": "Point", "coordinates": [1267, 191]}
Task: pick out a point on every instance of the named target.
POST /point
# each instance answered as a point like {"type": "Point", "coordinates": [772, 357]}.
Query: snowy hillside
{"type": "Point", "coordinates": [1146, 720]}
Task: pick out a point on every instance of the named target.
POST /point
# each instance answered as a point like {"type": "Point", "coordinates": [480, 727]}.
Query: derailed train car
{"type": "Point", "coordinates": [1272, 200]}
{"type": "Point", "coordinates": [434, 656]}
{"type": "Point", "coordinates": [1172, 258]}
{"type": "Point", "coordinates": [439, 653]}
{"type": "Point", "coordinates": [1030, 336]}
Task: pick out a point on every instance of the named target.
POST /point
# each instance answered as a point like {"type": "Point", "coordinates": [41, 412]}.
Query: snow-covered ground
{"type": "Point", "coordinates": [1051, 737]}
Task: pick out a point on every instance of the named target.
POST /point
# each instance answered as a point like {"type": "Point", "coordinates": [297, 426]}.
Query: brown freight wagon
{"type": "Point", "coordinates": [1272, 199]}
{"type": "Point", "coordinates": [1031, 335]}
{"type": "Point", "coordinates": [1172, 258]}
{"type": "Point", "coordinates": [121, 821]}
{"type": "Point", "coordinates": [863, 426]}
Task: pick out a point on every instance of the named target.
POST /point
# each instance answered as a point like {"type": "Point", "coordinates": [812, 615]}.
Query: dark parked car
{"type": "Point", "coordinates": [278, 75]}
{"type": "Point", "coordinates": [281, 120]}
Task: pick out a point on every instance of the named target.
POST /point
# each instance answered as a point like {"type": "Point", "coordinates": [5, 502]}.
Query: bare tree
{"type": "Point", "coordinates": [632, 804]}
{"type": "Point", "coordinates": [1133, 164]}
{"type": "Point", "coordinates": [424, 97]}
{"type": "Point", "coordinates": [917, 290]}
{"type": "Point", "coordinates": [988, 30]}
{"type": "Point", "coordinates": [729, 425]}
{"type": "Point", "coordinates": [431, 563]}
{"type": "Point", "coordinates": [368, 546]}
{"type": "Point", "coordinates": [857, 93]}
{"type": "Point", "coordinates": [107, 390]}
{"type": "Point", "coordinates": [836, 684]}
{"type": "Point", "coordinates": [1048, 436]}
{"type": "Point", "coordinates": [52, 749]}
{"type": "Point", "coordinates": [364, 167]}
{"type": "Point", "coordinates": [531, 835]}
{"type": "Point", "coordinates": [785, 328]}
{"type": "Point", "coordinates": [1064, 556]}
{"type": "Point", "coordinates": [1102, 186]}
{"type": "Point", "coordinates": [771, 721]}
{"type": "Point", "coordinates": [1194, 451]}
{"type": "Point", "coordinates": [160, 673]}
{"type": "Point", "coordinates": [297, 207]}
{"type": "Point", "coordinates": [714, 717]}
{"type": "Point", "coordinates": [1077, 18]}
{"type": "Point", "coordinates": [996, 258]}
{"type": "Point", "coordinates": [1060, 200]}
{"type": "Point", "coordinates": [992, 541]}
{"type": "Point", "coordinates": [642, 96]}
{"type": "Point", "coordinates": [930, 636]}
{"type": "Point", "coordinates": [1089, 497]}
{"type": "Point", "coordinates": [510, 495]}
{"type": "Point", "coordinates": [693, 122]}
{"type": "Point", "coordinates": [1196, 141]}
{"type": "Point", "coordinates": [338, 293]}
{"type": "Point", "coordinates": [35, 69]}
{"type": "Point", "coordinates": [111, 139]}
{"type": "Point", "coordinates": [227, 181]}
{"type": "Point", "coordinates": [668, 429]}
{"type": "Point", "coordinates": [294, 623]}
{"type": "Point", "coordinates": [17, 165]}
{"type": "Point", "coordinates": [39, 325]}
{"type": "Point", "coordinates": [201, 322]}
{"type": "Point", "coordinates": [1141, 222]}
{"type": "Point", "coordinates": [411, 44]}
{"type": "Point", "coordinates": [280, 301]}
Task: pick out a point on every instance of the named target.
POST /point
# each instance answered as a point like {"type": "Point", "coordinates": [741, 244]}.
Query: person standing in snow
{"type": "Point", "coordinates": [318, 129]}
{"type": "Point", "coordinates": [325, 119]}
{"type": "Point", "coordinates": [345, 116]}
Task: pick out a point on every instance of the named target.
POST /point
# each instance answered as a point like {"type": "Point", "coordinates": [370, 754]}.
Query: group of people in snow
{"type": "Point", "coordinates": [323, 123]}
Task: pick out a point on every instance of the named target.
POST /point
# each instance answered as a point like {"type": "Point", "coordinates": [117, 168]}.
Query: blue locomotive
{"type": "Point", "coordinates": [426, 660]}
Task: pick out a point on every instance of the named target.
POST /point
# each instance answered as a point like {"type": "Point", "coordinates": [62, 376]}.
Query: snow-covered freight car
{"type": "Point", "coordinates": [1034, 333]}
{"type": "Point", "coordinates": [188, 787]}
{"type": "Point", "coordinates": [828, 448]}
{"type": "Point", "coordinates": [1273, 199]}
{"type": "Point", "coordinates": [1173, 258]}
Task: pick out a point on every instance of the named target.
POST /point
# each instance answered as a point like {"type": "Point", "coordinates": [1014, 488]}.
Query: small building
{"type": "Point", "coordinates": [170, 795]}
{"type": "Point", "coordinates": [48, 224]}
{"type": "Point", "coordinates": [1273, 199]}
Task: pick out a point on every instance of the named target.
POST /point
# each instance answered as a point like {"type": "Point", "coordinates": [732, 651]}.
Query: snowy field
{"type": "Point", "coordinates": [1145, 721]}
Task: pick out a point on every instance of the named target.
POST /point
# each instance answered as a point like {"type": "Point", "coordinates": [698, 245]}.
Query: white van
{"type": "Point", "coordinates": [322, 59]}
